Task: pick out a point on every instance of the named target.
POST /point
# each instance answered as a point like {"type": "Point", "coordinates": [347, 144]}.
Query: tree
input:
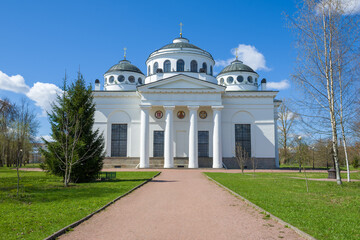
{"type": "Point", "coordinates": [286, 119]}
{"type": "Point", "coordinates": [18, 128]}
{"type": "Point", "coordinates": [326, 37]}
{"type": "Point", "coordinates": [77, 151]}
{"type": "Point", "coordinates": [241, 156]}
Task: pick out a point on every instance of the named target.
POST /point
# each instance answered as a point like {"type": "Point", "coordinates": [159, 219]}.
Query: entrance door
{"type": "Point", "coordinates": [181, 144]}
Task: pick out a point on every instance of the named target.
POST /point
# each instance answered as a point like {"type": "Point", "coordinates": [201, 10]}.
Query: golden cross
{"type": "Point", "coordinates": [181, 29]}
{"type": "Point", "coordinates": [236, 53]}
{"type": "Point", "coordinates": [125, 53]}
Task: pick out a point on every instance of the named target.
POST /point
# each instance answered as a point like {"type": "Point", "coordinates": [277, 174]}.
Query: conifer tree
{"type": "Point", "coordinates": [77, 151]}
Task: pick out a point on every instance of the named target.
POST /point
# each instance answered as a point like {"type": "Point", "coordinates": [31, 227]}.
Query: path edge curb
{"type": "Point", "coordinates": [282, 222]}
{"type": "Point", "coordinates": [74, 224]}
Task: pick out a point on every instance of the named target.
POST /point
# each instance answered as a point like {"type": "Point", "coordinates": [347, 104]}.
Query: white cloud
{"type": "Point", "coordinates": [249, 55]}
{"type": "Point", "coordinates": [349, 7]}
{"type": "Point", "coordinates": [48, 138]}
{"type": "Point", "coordinates": [284, 84]}
{"type": "Point", "coordinates": [13, 83]}
{"type": "Point", "coordinates": [43, 94]}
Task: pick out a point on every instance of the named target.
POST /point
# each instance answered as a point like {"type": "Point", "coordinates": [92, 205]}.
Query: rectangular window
{"type": "Point", "coordinates": [243, 137]}
{"type": "Point", "coordinates": [158, 143]}
{"type": "Point", "coordinates": [203, 143]}
{"type": "Point", "coordinates": [118, 140]}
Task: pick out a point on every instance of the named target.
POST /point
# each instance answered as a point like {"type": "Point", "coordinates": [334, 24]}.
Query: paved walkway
{"type": "Point", "coordinates": [180, 205]}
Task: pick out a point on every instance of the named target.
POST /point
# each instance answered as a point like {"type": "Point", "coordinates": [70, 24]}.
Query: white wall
{"type": "Point", "coordinates": [123, 107]}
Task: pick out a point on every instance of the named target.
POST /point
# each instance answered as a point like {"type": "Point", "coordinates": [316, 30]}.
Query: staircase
{"type": "Point", "coordinates": [128, 162]}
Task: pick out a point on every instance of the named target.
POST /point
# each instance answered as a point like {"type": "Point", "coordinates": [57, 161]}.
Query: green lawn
{"type": "Point", "coordinates": [328, 211]}
{"type": "Point", "coordinates": [46, 206]}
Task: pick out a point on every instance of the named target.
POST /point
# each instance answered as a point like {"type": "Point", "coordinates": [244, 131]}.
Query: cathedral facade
{"type": "Point", "coordinates": [180, 115]}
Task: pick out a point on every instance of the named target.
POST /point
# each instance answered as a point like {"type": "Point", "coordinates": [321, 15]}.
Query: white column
{"type": "Point", "coordinates": [217, 143]}
{"type": "Point", "coordinates": [168, 141]}
{"type": "Point", "coordinates": [193, 138]}
{"type": "Point", "coordinates": [144, 137]}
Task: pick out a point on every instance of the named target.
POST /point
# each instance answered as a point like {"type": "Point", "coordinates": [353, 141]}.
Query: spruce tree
{"type": "Point", "coordinates": [77, 147]}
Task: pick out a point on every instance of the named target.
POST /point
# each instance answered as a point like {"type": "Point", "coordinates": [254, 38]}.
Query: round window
{"type": "Point", "coordinates": [131, 79]}
{"type": "Point", "coordinates": [230, 80]}
{"type": "Point", "coordinates": [121, 78]}
{"type": "Point", "coordinates": [221, 81]}
{"type": "Point", "coordinates": [140, 80]}
{"type": "Point", "coordinates": [240, 79]}
{"type": "Point", "coordinates": [111, 79]}
{"type": "Point", "coordinates": [250, 79]}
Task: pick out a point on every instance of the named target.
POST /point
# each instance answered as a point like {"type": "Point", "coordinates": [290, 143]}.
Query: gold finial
{"type": "Point", "coordinates": [236, 53]}
{"type": "Point", "coordinates": [125, 53]}
{"type": "Point", "coordinates": [181, 29]}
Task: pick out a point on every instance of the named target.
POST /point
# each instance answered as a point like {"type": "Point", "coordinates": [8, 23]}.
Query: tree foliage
{"type": "Point", "coordinates": [77, 150]}
{"type": "Point", "coordinates": [18, 128]}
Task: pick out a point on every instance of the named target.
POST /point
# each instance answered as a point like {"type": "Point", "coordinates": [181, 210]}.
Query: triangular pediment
{"type": "Point", "coordinates": [181, 83]}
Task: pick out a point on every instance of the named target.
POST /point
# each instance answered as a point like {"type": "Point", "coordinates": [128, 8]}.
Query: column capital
{"type": "Point", "coordinates": [193, 107]}
{"type": "Point", "coordinates": [169, 107]}
{"type": "Point", "coordinates": [217, 107]}
{"type": "Point", "coordinates": [145, 107]}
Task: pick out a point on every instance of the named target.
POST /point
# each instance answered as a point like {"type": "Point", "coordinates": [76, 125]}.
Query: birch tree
{"type": "Point", "coordinates": [321, 28]}
{"type": "Point", "coordinates": [286, 119]}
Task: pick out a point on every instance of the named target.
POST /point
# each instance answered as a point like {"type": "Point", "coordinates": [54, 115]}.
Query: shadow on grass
{"type": "Point", "coordinates": [161, 181]}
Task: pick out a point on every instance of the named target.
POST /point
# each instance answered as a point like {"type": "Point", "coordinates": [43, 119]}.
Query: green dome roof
{"type": "Point", "coordinates": [182, 43]}
{"type": "Point", "coordinates": [237, 66]}
{"type": "Point", "coordinates": [124, 65]}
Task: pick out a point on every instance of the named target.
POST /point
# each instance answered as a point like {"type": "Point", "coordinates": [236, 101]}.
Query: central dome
{"type": "Point", "coordinates": [180, 43]}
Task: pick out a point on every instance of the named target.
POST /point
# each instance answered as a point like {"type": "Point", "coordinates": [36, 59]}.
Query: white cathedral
{"type": "Point", "coordinates": [180, 115]}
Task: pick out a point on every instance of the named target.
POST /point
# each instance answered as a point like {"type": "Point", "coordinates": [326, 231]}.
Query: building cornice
{"type": "Point", "coordinates": [247, 94]}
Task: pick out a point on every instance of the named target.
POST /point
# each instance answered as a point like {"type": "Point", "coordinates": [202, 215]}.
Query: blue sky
{"type": "Point", "coordinates": [41, 39]}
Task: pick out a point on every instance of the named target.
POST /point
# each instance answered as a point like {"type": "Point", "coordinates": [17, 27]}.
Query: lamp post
{"type": "Point", "coordinates": [313, 149]}
{"type": "Point", "coordinates": [17, 171]}
{"type": "Point", "coordinates": [300, 154]}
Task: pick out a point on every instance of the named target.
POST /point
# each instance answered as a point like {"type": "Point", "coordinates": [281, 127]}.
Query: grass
{"type": "Point", "coordinates": [328, 211]}
{"type": "Point", "coordinates": [45, 206]}
{"type": "Point", "coordinates": [309, 167]}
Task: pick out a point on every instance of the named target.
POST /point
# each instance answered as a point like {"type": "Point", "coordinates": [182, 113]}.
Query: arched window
{"type": "Point", "coordinates": [121, 78]}
{"type": "Point", "coordinates": [230, 80]}
{"type": "Point", "coordinates": [140, 80]}
{"type": "Point", "coordinates": [111, 79]}
{"type": "Point", "coordinates": [250, 79]}
{"type": "Point", "coordinates": [240, 79]}
{"type": "Point", "coordinates": [211, 70]}
{"type": "Point", "coordinates": [193, 66]}
{"type": "Point", "coordinates": [204, 67]}
{"type": "Point", "coordinates": [180, 65]}
{"type": "Point", "coordinates": [167, 66]}
{"type": "Point", "coordinates": [149, 70]}
{"type": "Point", "coordinates": [131, 79]}
{"type": "Point", "coordinates": [156, 66]}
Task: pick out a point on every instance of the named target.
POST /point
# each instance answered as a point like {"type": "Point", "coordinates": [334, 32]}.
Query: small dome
{"type": "Point", "coordinates": [236, 66]}
{"type": "Point", "coordinates": [124, 65]}
{"type": "Point", "coordinates": [263, 80]}
{"type": "Point", "coordinates": [97, 81]}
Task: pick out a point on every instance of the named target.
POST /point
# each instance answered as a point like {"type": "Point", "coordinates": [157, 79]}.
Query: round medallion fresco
{"type": "Point", "coordinates": [202, 114]}
{"type": "Point", "coordinates": [180, 114]}
{"type": "Point", "coordinates": [158, 114]}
